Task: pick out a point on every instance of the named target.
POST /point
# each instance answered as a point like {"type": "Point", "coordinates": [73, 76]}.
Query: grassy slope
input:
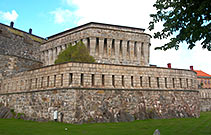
{"type": "Point", "coordinates": [188, 126]}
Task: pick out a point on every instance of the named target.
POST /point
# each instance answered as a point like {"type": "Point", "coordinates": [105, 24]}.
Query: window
{"type": "Point", "coordinates": [158, 83]}
{"type": "Point", "coordinates": [88, 44]}
{"type": "Point", "coordinates": [123, 81]}
{"type": "Point", "coordinates": [205, 81]}
{"type": "Point", "coordinates": [141, 81]}
{"type": "Point", "coordinates": [180, 81]}
{"type": "Point", "coordinates": [113, 48]}
{"type": "Point", "coordinates": [142, 49]}
{"type": "Point", "coordinates": [166, 83]}
{"type": "Point", "coordinates": [135, 49]}
{"type": "Point", "coordinates": [82, 79]}
{"type": "Point", "coordinates": [113, 80]}
{"type": "Point", "coordinates": [105, 47]}
{"type": "Point", "coordinates": [54, 84]}
{"type": "Point", "coordinates": [187, 83]}
{"type": "Point", "coordinates": [30, 84]}
{"type": "Point", "coordinates": [93, 79]}
{"type": "Point", "coordinates": [42, 79]}
{"type": "Point", "coordinates": [128, 48]}
{"type": "Point", "coordinates": [36, 80]}
{"type": "Point", "coordinates": [97, 46]}
{"type": "Point", "coordinates": [70, 78]}
{"type": "Point", "coordinates": [132, 81]}
{"type": "Point", "coordinates": [120, 48]}
{"type": "Point", "coordinates": [103, 80]}
{"type": "Point", "coordinates": [173, 82]}
{"type": "Point", "coordinates": [149, 81]}
{"type": "Point", "coordinates": [48, 79]}
{"type": "Point", "coordinates": [62, 79]}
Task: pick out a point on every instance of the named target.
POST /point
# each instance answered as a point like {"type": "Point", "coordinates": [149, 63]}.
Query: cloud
{"type": "Point", "coordinates": [62, 15]}
{"type": "Point", "coordinates": [135, 13]}
{"type": "Point", "coordinates": [7, 16]}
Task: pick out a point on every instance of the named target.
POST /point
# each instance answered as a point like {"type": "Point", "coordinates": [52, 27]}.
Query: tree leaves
{"type": "Point", "coordinates": [186, 20]}
{"type": "Point", "coordinates": [76, 53]}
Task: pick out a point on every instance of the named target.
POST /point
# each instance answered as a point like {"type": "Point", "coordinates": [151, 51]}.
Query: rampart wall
{"type": "Point", "coordinates": [104, 105]}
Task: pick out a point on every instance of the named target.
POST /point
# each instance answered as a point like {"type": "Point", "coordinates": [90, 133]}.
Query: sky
{"type": "Point", "coordinates": [47, 18]}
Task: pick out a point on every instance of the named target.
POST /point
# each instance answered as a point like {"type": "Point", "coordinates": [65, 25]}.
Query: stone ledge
{"type": "Point", "coordinates": [106, 89]}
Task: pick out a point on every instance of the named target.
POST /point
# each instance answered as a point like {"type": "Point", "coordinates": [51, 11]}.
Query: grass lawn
{"type": "Point", "coordinates": [184, 126]}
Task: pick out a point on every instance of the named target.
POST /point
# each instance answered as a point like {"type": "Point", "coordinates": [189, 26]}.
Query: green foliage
{"type": "Point", "coordinates": [76, 53]}
{"type": "Point", "coordinates": [188, 21]}
{"type": "Point", "coordinates": [183, 126]}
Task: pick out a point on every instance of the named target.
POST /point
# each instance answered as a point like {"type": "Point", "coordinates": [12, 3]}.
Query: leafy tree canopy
{"type": "Point", "coordinates": [76, 53]}
{"type": "Point", "coordinates": [186, 20]}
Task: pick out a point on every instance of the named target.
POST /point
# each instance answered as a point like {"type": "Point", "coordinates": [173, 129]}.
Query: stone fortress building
{"type": "Point", "coordinates": [120, 86]}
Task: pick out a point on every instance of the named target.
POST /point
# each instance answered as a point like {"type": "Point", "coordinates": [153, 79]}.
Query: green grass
{"type": "Point", "coordinates": [184, 126]}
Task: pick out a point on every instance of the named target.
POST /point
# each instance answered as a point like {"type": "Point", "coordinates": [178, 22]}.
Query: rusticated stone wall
{"type": "Point", "coordinates": [205, 99]}
{"type": "Point", "coordinates": [105, 105]}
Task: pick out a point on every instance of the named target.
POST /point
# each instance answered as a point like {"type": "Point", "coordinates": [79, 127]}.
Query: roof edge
{"type": "Point", "coordinates": [97, 23]}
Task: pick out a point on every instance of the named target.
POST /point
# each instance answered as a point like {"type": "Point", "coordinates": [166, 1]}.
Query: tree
{"type": "Point", "coordinates": [76, 53]}
{"type": "Point", "coordinates": [186, 20]}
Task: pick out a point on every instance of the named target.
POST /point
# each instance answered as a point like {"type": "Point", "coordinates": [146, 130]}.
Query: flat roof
{"type": "Point", "coordinates": [90, 23]}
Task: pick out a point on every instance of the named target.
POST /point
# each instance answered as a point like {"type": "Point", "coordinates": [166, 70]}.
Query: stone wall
{"type": "Point", "coordinates": [205, 99]}
{"type": "Point", "coordinates": [89, 75]}
{"type": "Point", "coordinates": [106, 43]}
{"type": "Point", "coordinates": [104, 105]}
{"type": "Point", "coordinates": [18, 47]}
{"type": "Point", "coordinates": [19, 43]}
{"type": "Point", "coordinates": [13, 64]}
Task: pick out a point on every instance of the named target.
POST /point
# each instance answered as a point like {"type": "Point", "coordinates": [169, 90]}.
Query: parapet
{"type": "Point", "coordinates": [100, 76]}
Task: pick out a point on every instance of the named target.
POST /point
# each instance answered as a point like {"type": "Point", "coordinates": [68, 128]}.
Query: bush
{"type": "Point", "coordinates": [76, 53]}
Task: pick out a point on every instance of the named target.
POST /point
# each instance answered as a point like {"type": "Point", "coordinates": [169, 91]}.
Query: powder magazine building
{"type": "Point", "coordinates": [120, 86]}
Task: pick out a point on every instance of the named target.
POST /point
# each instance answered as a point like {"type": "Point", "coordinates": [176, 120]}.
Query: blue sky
{"type": "Point", "coordinates": [37, 14]}
{"type": "Point", "coordinates": [50, 17]}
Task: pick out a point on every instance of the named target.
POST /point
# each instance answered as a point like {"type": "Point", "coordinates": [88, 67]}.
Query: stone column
{"type": "Point", "coordinates": [131, 51]}
{"type": "Point", "coordinates": [142, 53]}
{"type": "Point", "coordinates": [138, 44]}
{"type": "Point", "coordinates": [101, 44]}
{"type": "Point", "coordinates": [85, 42]}
{"type": "Point", "coordinates": [92, 46]}
{"type": "Point", "coordinates": [117, 44]}
{"type": "Point", "coordinates": [58, 50]}
{"type": "Point", "coordinates": [109, 44]}
{"type": "Point", "coordinates": [54, 55]}
{"type": "Point", "coordinates": [63, 47]}
{"type": "Point", "coordinates": [146, 52]}
{"type": "Point", "coordinates": [124, 51]}
{"type": "Point", "coordinates": [49, 57]}
{"type": "Point", "coordinates": [46, 58]}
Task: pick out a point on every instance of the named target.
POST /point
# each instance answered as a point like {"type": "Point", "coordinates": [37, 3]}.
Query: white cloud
{"type": "Point", "coordinates": [62, 15]}
{"type": "Point", "coordinates": [135, 13]}
{"type": "Point", "coordinates": [7, 16]}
